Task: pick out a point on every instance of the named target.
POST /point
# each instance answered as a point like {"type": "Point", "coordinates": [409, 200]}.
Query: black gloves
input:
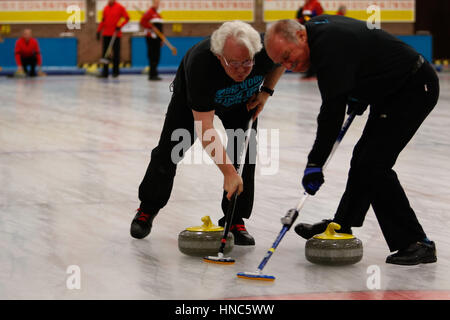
{"type": "Point", "coordinates": [98, 36]}
{"type": "Point", "coordinates": [312, 179]}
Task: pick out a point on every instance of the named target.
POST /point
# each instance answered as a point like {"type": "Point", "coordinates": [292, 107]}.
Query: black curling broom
{"type": "Point", "coordinates": [220, 258]}
{"type": "Point", "coordinates": [290, 217]}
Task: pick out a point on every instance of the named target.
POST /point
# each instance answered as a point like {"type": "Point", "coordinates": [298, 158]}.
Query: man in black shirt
{"type": "Point", "coordinates": [221, 75]}
{"type": "Point", "coordinates": [359, 66]}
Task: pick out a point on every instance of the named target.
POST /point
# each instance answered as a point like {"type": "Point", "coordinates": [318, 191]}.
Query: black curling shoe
{"type": "Point", "coordinates": [141, 224]}
{"type": "Point", "coordinates": [241, 235]}
{"type": "Point", "coordinates": [307, 231]}
{"type": "Point", "coordinates": [416, 253]}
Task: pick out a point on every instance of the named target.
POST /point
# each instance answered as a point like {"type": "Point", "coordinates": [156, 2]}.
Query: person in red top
{"type": "Point", "coordinates": [152, 19]}
{"type": "Point", "coordinates": [310, 9]}
{"type": "Point", "coordinates": [27, 54]}
{"type": "Point", "coordinates": [342, 11]}
{"type": "Point", "coordinates": [112, 14]}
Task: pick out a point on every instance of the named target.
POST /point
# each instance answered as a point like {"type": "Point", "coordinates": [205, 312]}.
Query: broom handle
{"type": "Point", "coordinates": [163, 38]}
{"type": "Point", "coordinates": [341, 135]}
{"type": "Point", "coordinates": [229, 218]}
{"type": "Point", "coordinates": [232, 205]}
{"type": "Point", "coordinates": [292, 214]}
{"type": "Point", "coordinates": [111, 42]}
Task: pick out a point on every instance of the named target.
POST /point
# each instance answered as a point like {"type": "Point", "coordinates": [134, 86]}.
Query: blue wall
{"type": "Point", "coordinates": [422, 43]}
{"type": "Point", "coordinates": [62, 52]}
{"type": "Point", "coordinates": [56, 52]}
{"type": "Point", "coordinates": [139, 51]}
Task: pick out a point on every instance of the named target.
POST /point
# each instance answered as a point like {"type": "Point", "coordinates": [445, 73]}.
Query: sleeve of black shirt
{"type": "Point", "coordinates": [329, 123]}
{"type": "Point", "coordinates": [335, 58]}
{"type": "Point", "coordinates": [200, 81]}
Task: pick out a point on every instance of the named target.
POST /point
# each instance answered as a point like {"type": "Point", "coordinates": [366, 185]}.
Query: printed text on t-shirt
{"type": "Point", "coordinates": [238, 93]}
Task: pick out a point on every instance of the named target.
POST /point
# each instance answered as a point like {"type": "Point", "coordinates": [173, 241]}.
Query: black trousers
{"type": "Point", "coordinates": [371, 179]}
{"type": "Point", "coordinates": [156, 187]}
{"type": "Point", "coordinates": [115, 55]}
{"type": "Point", "coordinates": [154, 55]}
{"type": "Point", "coordinates": [29, 65]}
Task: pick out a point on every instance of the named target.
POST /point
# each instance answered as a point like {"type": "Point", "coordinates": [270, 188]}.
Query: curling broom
{"type": "Point", "coordinates": [290, 217]}
{"type": "Point", "coordinates": [108, 52]}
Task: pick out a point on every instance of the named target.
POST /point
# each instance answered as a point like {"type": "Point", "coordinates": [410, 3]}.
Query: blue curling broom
{"type": "Point", "coordinates": [290, 217]}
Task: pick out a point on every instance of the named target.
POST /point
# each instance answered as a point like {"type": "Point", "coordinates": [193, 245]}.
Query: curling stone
{"type": "Point", "coordinates": [333, 249]}
{"type": "Point", "coordinates": [19, 74]}
{"type": "Point", "coordinates": [203, 240]}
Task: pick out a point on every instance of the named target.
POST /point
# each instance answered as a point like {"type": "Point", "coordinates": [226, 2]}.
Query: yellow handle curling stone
{"type": "Point", "coordinates": [331, 248]}
{"type": "Point", "coordinates": [203, 240]}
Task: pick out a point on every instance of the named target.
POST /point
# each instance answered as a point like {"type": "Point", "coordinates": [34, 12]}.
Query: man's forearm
{"type": "Point", "coordinates": [329, 123]}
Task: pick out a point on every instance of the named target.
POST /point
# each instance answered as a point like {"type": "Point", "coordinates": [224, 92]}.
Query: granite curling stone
{"type": "Point", "coordinates": [19, 74]}
{"type": "Point", "coordinates": [203, 240]}
{"type": "Point", "coordinates": [333, 249]}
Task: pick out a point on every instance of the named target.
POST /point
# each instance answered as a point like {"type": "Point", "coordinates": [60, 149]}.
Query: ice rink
{"type": "Point", "coordinates": [73, 150]}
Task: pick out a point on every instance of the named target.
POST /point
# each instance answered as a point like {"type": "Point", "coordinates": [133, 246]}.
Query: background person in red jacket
{"type": "Point", "coordinates": [27, 54]}
{"type": "Point", "coordinates": [112, 14]}
{"type": "Point", "coordinates": [310, 9]}
{"type": "Point", "coordinates": [342, 11]}
{"type": "Point", "coordinates": [152, 19]}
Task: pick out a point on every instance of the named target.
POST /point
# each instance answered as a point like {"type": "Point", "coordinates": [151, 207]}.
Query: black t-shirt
{"type": "Point", "coordinates": [352, 61]}
{"type": "Point", "coordinates": [206, 86]}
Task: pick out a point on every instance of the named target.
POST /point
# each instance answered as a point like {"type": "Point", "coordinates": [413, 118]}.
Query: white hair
{"type": "Point", "coordinates": [241, 31]}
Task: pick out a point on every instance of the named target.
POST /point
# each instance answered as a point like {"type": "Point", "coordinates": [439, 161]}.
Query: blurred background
{"type": "Point", "coordinates": [66, 30]}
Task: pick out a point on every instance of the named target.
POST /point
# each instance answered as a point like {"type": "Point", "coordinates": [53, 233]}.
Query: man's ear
{"type": "Point", "coordinates": [301, 35]}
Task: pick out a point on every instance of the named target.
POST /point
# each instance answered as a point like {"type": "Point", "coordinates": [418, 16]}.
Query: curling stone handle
{"type": "Point", "coordinates": [289, 219]}
{"type": "Point", "coordinates": [331, 229]}
{"type": "Point", "coordinates": [207, 223]}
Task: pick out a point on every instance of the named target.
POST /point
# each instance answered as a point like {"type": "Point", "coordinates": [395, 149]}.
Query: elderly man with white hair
{"type": "Point", "coordinates": [229, 75]}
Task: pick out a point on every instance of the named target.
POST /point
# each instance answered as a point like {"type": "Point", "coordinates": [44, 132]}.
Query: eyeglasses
{"type": "Point", "coordinates": [236, 64]}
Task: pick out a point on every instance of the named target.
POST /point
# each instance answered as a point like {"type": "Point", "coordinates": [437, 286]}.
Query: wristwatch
{"type": "Point", "coordinates": [265, 89]}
